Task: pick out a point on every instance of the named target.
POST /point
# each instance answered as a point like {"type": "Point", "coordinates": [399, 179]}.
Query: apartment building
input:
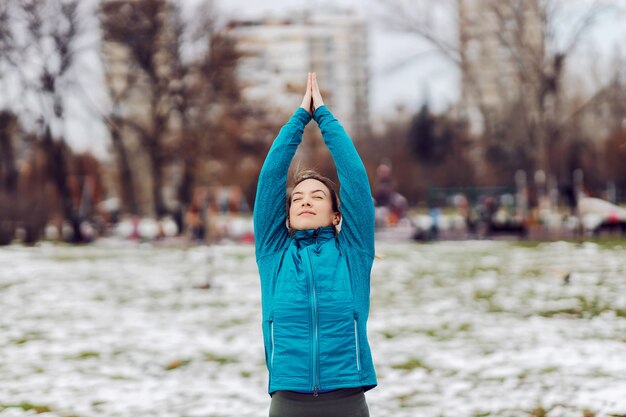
{"type": "Point", "coordinates": [277, 53]}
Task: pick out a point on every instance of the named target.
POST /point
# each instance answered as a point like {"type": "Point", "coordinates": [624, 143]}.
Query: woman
{"type": "Point", "coordinates": [315, 280]}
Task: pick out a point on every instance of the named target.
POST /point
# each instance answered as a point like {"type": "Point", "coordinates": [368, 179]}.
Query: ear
{"type": "Point", "coordinates": [336, 218]}
{"type": "Point", "coordinates": [287, 223]}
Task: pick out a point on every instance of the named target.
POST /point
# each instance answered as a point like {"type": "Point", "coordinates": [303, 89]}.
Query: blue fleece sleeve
{"type": "Point", "coordinates": [357, 206]}
{"type": "Point", "coordinates": [270, 232]}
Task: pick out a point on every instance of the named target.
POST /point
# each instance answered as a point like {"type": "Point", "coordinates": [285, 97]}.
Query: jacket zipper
{"type": "Point", "coordinates": [315, 326]}
{"type": "Point", "coordinates": [272, 337]}
{"type": "Point", "coordinates": [356, 338]}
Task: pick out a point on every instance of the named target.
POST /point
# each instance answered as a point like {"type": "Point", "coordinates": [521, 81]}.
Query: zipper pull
{"type": "Point", "coordinates": [315, 391]}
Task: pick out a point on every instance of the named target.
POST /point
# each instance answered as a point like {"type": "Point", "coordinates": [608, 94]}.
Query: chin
{"type": "Point", "coordinates": [304, 227]}
{"type": "Point", "coordinates": [307, 225]}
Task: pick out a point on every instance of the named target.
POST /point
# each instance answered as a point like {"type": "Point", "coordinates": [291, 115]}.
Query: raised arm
{"type": "Point", "coordinates": [357, 207]}
{"type": "Point", "coordinates": [270, 232]}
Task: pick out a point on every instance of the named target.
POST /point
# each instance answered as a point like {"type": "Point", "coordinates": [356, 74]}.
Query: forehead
{"type": "Point", "coordinates": [310, 185]}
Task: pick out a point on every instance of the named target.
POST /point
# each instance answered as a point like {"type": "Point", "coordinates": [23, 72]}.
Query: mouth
{"type": "Point", "coordinates": [306, 212]}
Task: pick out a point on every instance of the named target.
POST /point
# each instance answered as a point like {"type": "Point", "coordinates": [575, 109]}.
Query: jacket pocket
{"type": "Point", "coordinates": [289, 348]}
{"type": "Point", "coordinates": [356, 343]}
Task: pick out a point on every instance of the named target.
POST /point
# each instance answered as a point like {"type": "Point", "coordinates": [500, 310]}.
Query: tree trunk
{"type": "Point", "coordinates": [8, 170]}
{"type": "Point", "coordinates": [185, 189]}
{"type": "Point", "coordinates": [156, 170]}
{"type": "Point", "coordinates": [129, 200]}
{"type": "Point", "coordinates": [57, 169]}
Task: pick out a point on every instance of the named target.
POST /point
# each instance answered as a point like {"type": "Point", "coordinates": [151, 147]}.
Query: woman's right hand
{"type": "Point", "coordinates": [315, 93]}
{"type": "Point", "coordinates": [307, 100]}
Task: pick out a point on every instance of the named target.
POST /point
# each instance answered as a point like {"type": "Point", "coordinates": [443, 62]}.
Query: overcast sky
{"type": "Point", "coordinates": [429, 78]}
{"type": "Point", "coordinates": [408, 85]}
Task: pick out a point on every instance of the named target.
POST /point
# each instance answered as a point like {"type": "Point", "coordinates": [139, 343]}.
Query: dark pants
{"type": "Point", "coordinates": [347, 402]}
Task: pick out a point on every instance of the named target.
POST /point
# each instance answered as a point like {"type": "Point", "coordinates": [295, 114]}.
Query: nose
{"type": "Point", "coordinates": [305, 202]}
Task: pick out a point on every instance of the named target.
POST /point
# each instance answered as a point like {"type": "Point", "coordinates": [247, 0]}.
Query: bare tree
{"type": "Point", "coordinates": [530, 41]}
{"type": "Point", "coordinates": [192, 71]}
{"type": "Point", "coordinates": [119, 90]}
{"type": "Point", "coordinates": [143, 30]}
{"type": "Point", "coordinates": [215, 91]}
{"type": "Point", "coordinates": [8, 119]}
{"type": "Point", "coordinates": [44, 57]}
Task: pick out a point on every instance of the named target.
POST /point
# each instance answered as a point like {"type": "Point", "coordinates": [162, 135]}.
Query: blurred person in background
{"type": "Point", "coordinates": [314, 261]}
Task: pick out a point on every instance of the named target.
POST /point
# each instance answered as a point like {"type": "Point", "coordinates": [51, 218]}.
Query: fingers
{"type": "Point", "coordinates": [315, 92]}
{"type": "Point", "coordinates": [316, 88]}
{"type": "Point", "coordinates": [307, 99]}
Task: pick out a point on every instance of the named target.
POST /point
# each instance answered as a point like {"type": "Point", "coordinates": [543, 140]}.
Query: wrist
{"type": "Point", "coordinates": [303, 115]}
{"type": "Point", "coordinates": [318, 112]}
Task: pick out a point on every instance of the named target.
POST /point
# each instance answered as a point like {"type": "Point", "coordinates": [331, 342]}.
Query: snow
{"type": "Point", "coordinates": [456, 329]}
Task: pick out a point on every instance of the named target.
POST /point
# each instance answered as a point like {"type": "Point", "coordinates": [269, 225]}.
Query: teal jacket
{"type": "Point", "coordinates": [315, 285]}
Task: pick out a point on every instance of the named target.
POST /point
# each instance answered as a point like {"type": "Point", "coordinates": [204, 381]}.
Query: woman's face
{"type": "Point", "coordinates": [312, 206]}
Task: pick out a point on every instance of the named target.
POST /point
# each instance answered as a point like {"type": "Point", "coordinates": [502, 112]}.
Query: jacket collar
{"type": "Point", "coordinates": [307, 237]}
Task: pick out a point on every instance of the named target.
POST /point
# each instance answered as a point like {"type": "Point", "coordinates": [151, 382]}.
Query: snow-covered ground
{"type": "Point", "coordinates": [457, 329]}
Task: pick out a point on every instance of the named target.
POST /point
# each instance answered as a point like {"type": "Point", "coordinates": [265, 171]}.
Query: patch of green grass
{"type": "Point", "coordinates": [412, 363]}
{"type": "Point", "coordinates": [464, 327]}
{"type": "Point", "coordinates": [529, 244]}
{"type": "Point", "coordinates": [473, 271]}
{"type": "Point", "coordinates": [588, 307]}
{"type": "Point", "coordinates": [433, 333]}
{"type": "Point", "coordinates": [441, 335]}
{"type": "Point", "coordinates": [599, 373]}
{"type": "Point", "coordinates": [231, 323]}
{"type": "Point", "coordinates": [222, 360]}
{"type": "Point", "coordinates": [592, 306]}
{"type": "Point", "coordinates": [570, 312]}
{"type": "Point", "coordinates": [549, 370]}
{"type": "Point", "coordinates": [87, 355]}
{"type": "Point", "coordinates": [241, 257]}
{"type": "Point", "coordinates": [484, 295]}
{"type": "Point", "coordinates": [26, 406]}
{"type": "Point", "coordinates": [447, 331]}
{"type": "Point", "coordinates": [28, 337]}
{"type": "Point", "coordinates": [493, 307]}
{"type": "Point", "coordinates": [245, 374]}
{"type": "Point", "coordinates": [388, 335]}
{"type": "Point", "coordinates": [405, 399]}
